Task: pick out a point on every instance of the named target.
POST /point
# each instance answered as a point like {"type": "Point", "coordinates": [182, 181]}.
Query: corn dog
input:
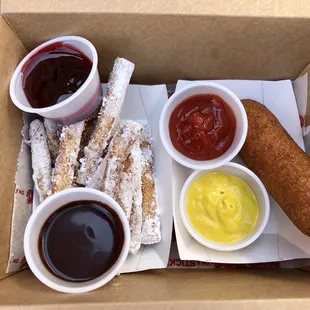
{"type": "Point", "coordinates": [41, 160]}
{"type": "Point", "coordinates": [118, 151]}
{"type": "Point", "coordinates": [151, 219]}
{"type": "Point", "coordinates": [278, 161]}
{"type": "Point", "coordinates": [70, 139]}
{"type": "Point", "coordinates": [107, 118]}
{"type": "Point", "coordinates": [53, 131]}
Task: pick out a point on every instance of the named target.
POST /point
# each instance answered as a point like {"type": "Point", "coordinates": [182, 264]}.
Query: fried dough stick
{"type": "Point", "coordinates": [118, 151]}
{"type": "Point", "coordinates": [130, 195]}
{"type": "Point", "coordinates": [70, 139]}
{"type": "Point", "coordinates": [151, 219]}
{"type": "Point", "coordinates": [41, 159]}
{"type": "Point", "coordinates": [53, 131]}
{"type": "Point", "coordinates": [107, 119]}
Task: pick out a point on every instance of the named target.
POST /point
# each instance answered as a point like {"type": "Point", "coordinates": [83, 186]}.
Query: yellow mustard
{"type": "Point", "coordinates": [222, 208]}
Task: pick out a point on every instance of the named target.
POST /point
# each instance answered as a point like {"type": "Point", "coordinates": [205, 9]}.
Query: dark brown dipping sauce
{"type": "Point", "coordinates": [81, 241]}
{"type": "Point", "coordinates": [54, 74]}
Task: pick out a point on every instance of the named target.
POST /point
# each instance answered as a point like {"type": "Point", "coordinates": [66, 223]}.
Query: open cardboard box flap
{"type": "Point", "coordinates": [212, 41]}
{"type": "Point", "coordinates": [265, 8]}
{"type": "Point", "coordinates": [208, 40]}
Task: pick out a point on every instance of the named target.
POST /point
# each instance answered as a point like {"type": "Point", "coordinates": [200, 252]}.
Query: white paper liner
{"type": "Point", "coordinates": [176, 263]}
{"type": "Point", "coordinates": [22, 209]}
{"type": "Point", "coordinates": [145, 104]}
{"type": "Point", "coordinates": [281, 240]}
{"type": "Point", "coordinates": [301, 89]}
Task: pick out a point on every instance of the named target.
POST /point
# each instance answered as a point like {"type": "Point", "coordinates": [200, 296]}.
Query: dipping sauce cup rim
{"type": "Point", "coordinates": [44, 211]}
{"type": "Point", "coordinates": [18, 72]}
{"type": "Point", "coordinates": [197, 88]}
{"type": "Point", "coordinates": [265, 207]}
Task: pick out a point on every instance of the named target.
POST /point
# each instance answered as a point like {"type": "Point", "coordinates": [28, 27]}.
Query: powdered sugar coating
{"type": "Point", "coordinates": [146, 145]}
{"type": "Point", "coordinates": [96, 181]}
{"type": "Point", "coordinates": [151, 218]}
{"type": "Point", "coordinates": [118, 152]}
{"type": "Point", "coordinates": [41, 160]}
{"type": "Point", "coordinates": [108, 117]}
{"type": "Point", "coordinates": [53, 131]}
{"type": "Point", "coordinates": [126, 187]}
{"type": "Point", "coordinates": [70, 139]}
{"type": "Point", "coordinates": [136, 210]}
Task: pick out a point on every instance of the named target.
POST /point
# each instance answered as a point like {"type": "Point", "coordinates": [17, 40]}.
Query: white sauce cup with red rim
{"type": "Point", "coordinates": [201, 88]}
{"type": "Point", "coordinates": [79, 105]}
{"type": "Point", "coordinates": [39, 218]}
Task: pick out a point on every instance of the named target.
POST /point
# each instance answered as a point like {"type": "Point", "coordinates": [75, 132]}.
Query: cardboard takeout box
{"type": "Point", "coordinates": [168, 40]}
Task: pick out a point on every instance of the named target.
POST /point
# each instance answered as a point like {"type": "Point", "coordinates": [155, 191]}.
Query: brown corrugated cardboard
{"type": "Point", "coordinates": [175, 47]}
{"type": "Point", "coordinates": [272, 8]}
{"type": "Point", "coordinates": [11, 52]}
{"type": "Point", "coordinates": [173, 289]}
{"type": "Point", "coordinates": [168, 40]}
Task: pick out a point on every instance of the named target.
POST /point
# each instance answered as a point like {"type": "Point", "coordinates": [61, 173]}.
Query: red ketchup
{"type": "Point", "coordinates": [202, 127]}
{"type": "Point", "coordinates": [54, 74]}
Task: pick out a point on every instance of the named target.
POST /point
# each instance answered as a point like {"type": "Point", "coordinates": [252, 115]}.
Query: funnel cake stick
{"type": "Point", "coordinates": [53, 131]}
{"type": "Point", "coordinates": [135, 220]}
{"type": "Point", "coordinates": [151, 219]}
{"type": "Point", "coordinates": [41, 159]}
{"type": "Point", "coordinates": [70, 139]}
{"type": "Point", "coordinates": [107, 118]}
{"type": "Point", "coordinates": [118, 152]}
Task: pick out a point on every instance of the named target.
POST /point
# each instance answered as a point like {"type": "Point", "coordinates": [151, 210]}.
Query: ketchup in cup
{"type": "Point", "coordinates": [202, 127]}
{"type": "Point", "coordinates": [54, 74]}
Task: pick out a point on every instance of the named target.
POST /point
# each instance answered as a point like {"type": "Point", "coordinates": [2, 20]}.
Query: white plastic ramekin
{"type": "Point", "coordinates": [78, 106]}
{"type": "Point", "coordinates": [259, 191]}
{"type": "Point", "coordinates": [196, 89]}
{"type": "Point", "coordinates": [34, 227]}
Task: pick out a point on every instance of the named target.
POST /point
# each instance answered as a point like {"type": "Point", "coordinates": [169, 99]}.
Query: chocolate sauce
{"type": "Point", "coordinates": [81, 241]}
{"type": "Point", "coordinates": [54, 74]}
